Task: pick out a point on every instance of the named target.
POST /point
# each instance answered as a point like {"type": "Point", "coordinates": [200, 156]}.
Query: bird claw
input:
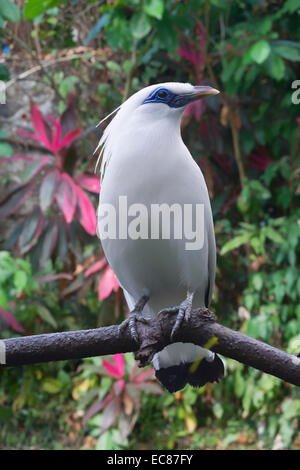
{"type": "Point", "coordinates": [135, 316]}
{"type": "Point", "coordinates": [168, 311]}
{"type": "Point", "coordinates": [183, 312]}
{"type": "Point", "coordinates": [131, 321]}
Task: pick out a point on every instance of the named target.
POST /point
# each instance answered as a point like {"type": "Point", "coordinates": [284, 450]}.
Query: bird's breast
{"type": "Point", "coordinates": [156, 183]}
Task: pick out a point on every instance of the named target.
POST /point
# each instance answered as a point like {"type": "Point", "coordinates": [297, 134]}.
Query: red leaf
{"type": "Point", "coordinates": [66, 197]}
{"type": "Point", "coordinates": [195, 109]}
{"type": "Point", "coordinates": [31, 225]}
{"type": "Point", "coordinates": [118, 386]}
{"type": "Point", "coordinates": [260, 158]}
{"type": "Point", "coordinates": [69, 137]}
{"type": "Point", "coordinates": [11, 320]}
{"type": "Point", "coordinates": [34, 167]}
{"type": "Point", "coordinates": [28, 134]}
{"type": "Point", "coordinates": [36, 235]}
{"type": "Point", "coordinates": [107, 284]}
{"type": "Point", "coordinates": [15, 201]}
{"type": "Point", "coordinates": [17, 157]}
{"type": "Point", "coordinates": [48, 242]}
{"type": "Point", "coordinates": [110, 414]}
{"type": "Point", "coordinates": [150, 387]}
{"type": "Point", "coordinates": [55, 135]}
{"type": "Point", "coordinates": [146, 375]}
{"type": "Point", "coordinates": [113, 370]}
{"type": "Point", "coordinates": [96, 407]}
{"type": "Point", "coordinates": [188, 50]}
{"type": "Point", "coordinates": [68, 119]}
{"type": "Point", "coordinates": [53, 277]}
{"type": "Point", "coordinates": [95, 267]}
{"type": "Point", "coordinates": [86, 212]}
{"type": "Point", "coordinates": [188, 53]}
{"type": "Point", "coordinates": [40, 126]}
{"type": "Point", "coordinates": [120, 363]}
{"type": "Point", "coordinates": [47, 189]}
{"type": "Point", "coordinates": [89, 182]}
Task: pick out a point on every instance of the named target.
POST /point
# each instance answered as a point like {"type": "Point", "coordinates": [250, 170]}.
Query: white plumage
{"type": "Point", "coordinates": [143, 157]}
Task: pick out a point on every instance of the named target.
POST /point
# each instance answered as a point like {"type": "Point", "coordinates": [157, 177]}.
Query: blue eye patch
{"type": "Point", "coordinates": [164, 95]}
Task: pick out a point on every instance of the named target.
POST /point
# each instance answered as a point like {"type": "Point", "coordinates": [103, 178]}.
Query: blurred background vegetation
{"type": "Point", "coordinates": [66, 64]}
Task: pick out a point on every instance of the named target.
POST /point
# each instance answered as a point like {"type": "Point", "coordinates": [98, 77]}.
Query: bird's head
{"type": "Point", "coordinates": [166, 99]}
{"type": "Point", "coordinates": [175, 96]}
{"type": "Point", "coordinates": [151, 105]}
{"type": "Point", "coordinates": [161, 100]}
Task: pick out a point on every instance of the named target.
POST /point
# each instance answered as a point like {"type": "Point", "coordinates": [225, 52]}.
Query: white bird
{"type": "Point", "coordinates": [144, 159]}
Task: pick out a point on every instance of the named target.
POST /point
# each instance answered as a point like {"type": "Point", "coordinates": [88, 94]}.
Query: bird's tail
{"type": "Point", "coordinates": [181, 363]}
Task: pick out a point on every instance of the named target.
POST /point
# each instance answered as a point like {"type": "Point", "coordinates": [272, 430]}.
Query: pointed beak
{"type": "Point", "coordinates": [203, 91]}
{"type": "Point", "coordinates": [198, 93]}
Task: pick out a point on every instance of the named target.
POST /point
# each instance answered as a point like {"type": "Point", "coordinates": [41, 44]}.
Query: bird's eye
{"type": "Point", "coordinates": [162, 94]}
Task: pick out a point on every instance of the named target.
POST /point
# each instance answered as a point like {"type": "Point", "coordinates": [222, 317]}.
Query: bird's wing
{"type": "Point", "coordinates": [211, 264]}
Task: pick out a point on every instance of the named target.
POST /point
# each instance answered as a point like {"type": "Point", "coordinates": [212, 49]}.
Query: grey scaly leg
{"type": "Point", "coordinates": [135, 316]}
{"type": "Point", "coordinates": [184, 311]}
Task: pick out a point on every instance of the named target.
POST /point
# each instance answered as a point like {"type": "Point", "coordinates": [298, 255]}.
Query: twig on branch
{"type": "Point", "coordinates": [154, 336]}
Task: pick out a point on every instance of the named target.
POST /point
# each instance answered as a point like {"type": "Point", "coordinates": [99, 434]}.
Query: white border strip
{"type": "Point", "coordinates": [2, 352]}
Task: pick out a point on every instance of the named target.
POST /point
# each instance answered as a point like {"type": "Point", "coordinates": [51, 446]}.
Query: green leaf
{"type": "Point", "coordinates": [4, 74]}
{"type": "Point", "coordinates": [230, 438]}
{"type": "Point", "coordinates": [9, 11]}
{"type": "Point", "coordinates": [155, 8]}
{"type": "Point", "coordinates": [279, 293]}
{"type": "Point", "coordinates": [34, 8]}
{"type": "Point", "coordinates": [239, 384]}
{"type": "Point", "coordinates": [235, 243]}
{"type": "Point", "coordinates": [51, 385]}
{"type": "Point", "coordinates": [46, 315]}
{"type": "Point", "coordinates": [113, 66]}
{"type": "Point", "coordinates": [273, 235]}
{"type": "Point", "coordinates": [265, 25]}
{"type": "Point", "coordinates": [288, 53]}
{"type": "Point", "coordinates": [229, 68]}
{"type": "Point", "coordinates": [257, 280]}
{"type": "Point", "coordinates": [20, 280]}
{"type": "Point", "coordinates": [3, 299]}
{"type": "Point", "coordinates": [6, 150]}
{"type": "Point", "coordinates": [267, 382]}
{"type": "Point", "coordinates": [263, 192]}
{"type": "Point", "coordinates": [276, 67]}
{"type": "Point", "coordinates": [140, 25]}
{"type": "Point", "coordinates": [258, 327]}
{"type": "Point", "coordinates": [218, 410]}
{"type": "Point", "coordinates": [290, 6]}
{"type": "Point", "coordinates": [127, 66]}
{"type": "Point", "coordinates": [3, 134]}
{"type": "Point", "coordinates": [260, 51]}
{"type": "Point", "coordinates": [67, 85]}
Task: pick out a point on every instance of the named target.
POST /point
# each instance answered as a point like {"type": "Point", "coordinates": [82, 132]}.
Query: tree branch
{"type": "Point", "coordinates": [155, 335]}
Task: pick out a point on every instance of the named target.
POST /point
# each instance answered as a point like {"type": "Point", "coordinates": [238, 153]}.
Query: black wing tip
{"type": "Point", "coordinates": [207, 372]}
{"type": "Point", "coordinates": [175, 378]}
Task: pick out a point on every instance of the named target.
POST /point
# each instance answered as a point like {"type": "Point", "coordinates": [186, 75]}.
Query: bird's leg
{"type": "Point", "coordinates": [184, 311]}
{"type": "Point", "coordinates": [135, 316]}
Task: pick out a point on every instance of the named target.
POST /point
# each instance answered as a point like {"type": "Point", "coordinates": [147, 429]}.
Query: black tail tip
{"type": "Point", "coordinates": [175, 378]}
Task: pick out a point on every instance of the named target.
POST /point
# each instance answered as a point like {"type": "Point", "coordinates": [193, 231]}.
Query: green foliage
{"type": "Point", "coordinates": [9, 11]}
{"type": "Point", "coordinates": [6, 149]}
{"type": "Point", "coordinates": [34, 8]}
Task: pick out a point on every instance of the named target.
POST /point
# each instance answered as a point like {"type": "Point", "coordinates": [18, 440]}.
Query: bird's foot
{"type": "Point", "coordinates": [134, 317]}
{"type": "Point", "coordinates": [183, 312]}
